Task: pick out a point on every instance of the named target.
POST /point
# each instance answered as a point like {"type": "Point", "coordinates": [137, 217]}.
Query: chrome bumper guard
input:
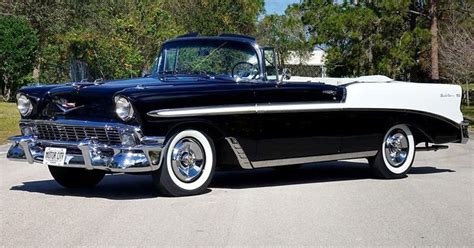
{"type": "Point", "coordinates": [92, 155]}
{"type": "Point", "coordinates": [464, 131]}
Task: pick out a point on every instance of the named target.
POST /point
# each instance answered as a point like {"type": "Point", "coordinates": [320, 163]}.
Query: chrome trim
{"type": "Point", "coordinates": [396, 148]}
{"type": "Point", "coordinates": [81, 123]}
{"type": "Point", "coordinates": [244, 162]}
{"type": "Point", "coordinates": [203, 111]}
{"type": "Point", "coordinates": [246, 109]}
{"type": "Point", "coordinates": [91, 154]}
{"type": "Point", "coordinates": [24, 143]}
{"type": "Point", "coordinates": [82, 130]}
{"type": "Point", "coordinates": [86, 154]}
{"type": "Point", "coordinates": [131, 113]}
{"type": "Point", "coordinates": [188, 159]}
{"type": "Point", "coordinates": [298, 107]}
{"type": "Point", "coordinates": [150, 140]}
{"type": "Point", "coordinates": [31, 107]}
{"type": "Point", "coordinates": [312, 159]}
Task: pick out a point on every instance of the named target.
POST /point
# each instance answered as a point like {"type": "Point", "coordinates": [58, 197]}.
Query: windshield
{"type": "Point", "coordinates": [208, 58]}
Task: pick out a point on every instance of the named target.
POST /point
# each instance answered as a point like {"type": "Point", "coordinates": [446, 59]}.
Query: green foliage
{"type": "Point", "coordinates": [106, 57]}
{"type": "Point", "coordinates": [121, 38]}
{"type": "Point", "coordinates": [18, 44]}
{"type": "Point", "coordinates": [286, 33]}
{"type": "Point", "coordinates": [212, 17]}
{"type": "Point", "coordinates": [371, 37]}
{"type": "Point", "coordinates": [114, 39]}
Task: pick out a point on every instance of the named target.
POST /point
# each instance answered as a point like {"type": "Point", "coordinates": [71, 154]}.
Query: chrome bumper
{"type": "Point", "coordinates": [91, 155]}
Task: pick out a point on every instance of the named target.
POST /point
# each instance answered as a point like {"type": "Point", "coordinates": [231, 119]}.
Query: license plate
{"type": "Point", "coordinates": [54, 156]}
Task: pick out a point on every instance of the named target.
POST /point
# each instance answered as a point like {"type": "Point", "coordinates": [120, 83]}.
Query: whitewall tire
{"type": "Point", "coordinates": [396, 153]}
{"type": "Point", "coordinates": [188, 164]}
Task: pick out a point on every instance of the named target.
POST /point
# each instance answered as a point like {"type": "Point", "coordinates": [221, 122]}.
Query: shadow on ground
{"type": "Point", "coordinates": [311, 173]}
{"type": "Point", "coordinates": [115, 187]}
{"type": "Point", "coordinates": [125, 187]}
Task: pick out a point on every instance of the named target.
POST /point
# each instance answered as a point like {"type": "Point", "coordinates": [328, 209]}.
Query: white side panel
{"type": "Point", "coordinates": [439, 99]}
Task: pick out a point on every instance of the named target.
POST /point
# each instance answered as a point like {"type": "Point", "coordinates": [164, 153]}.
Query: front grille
{"type": "Point", "coordinates": [61, 132]}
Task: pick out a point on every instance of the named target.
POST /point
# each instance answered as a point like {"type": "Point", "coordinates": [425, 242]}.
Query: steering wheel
{"type": "Point", "coordinates": [249, 69]}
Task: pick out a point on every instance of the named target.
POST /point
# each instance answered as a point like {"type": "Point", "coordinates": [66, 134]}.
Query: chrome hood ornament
{"type": "Point", "coordinates": [66, 106]}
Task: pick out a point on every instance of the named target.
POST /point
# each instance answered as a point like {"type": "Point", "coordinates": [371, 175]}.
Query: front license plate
{"type": "Point", "coordinates": [54, 156]}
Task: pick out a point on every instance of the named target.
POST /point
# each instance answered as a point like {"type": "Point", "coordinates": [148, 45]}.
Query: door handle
{"type": "Point", "coordinates": [329, 92]}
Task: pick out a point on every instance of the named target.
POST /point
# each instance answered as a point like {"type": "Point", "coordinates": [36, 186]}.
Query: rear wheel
{"type": "Point", "coordinates": [76, 177]}
{"type": "Point", "coordinates": [396, 153]}
{"type": "Point", "coordinates": [188, 165]}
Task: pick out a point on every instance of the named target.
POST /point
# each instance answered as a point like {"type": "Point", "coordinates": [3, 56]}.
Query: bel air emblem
{"type": "Point", "coordinates": [66, 106]}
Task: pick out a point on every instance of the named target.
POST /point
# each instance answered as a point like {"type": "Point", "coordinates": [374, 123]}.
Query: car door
{"type": "Point", "coordinates": [297, 120]}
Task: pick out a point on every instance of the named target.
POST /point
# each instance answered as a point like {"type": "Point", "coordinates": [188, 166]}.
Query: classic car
{"type": "Point", "coordinates": [216, 102]}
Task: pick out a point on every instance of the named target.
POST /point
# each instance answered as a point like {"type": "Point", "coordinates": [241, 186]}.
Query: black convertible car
{"type": "Point", "coordinates": [219, 101]}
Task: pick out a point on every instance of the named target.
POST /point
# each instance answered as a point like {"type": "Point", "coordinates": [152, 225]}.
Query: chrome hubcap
{"type": "Point", "coordinates": [396, 148]}
{"type": "Point", "coordinates": [187, 159]}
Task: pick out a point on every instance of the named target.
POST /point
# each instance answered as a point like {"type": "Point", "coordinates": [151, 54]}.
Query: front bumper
{"type": "Point", "coordinates": [90, 154]}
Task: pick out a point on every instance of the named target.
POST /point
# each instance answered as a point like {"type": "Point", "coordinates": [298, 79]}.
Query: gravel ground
{"type": "Point", "coordinates": [336, 203]}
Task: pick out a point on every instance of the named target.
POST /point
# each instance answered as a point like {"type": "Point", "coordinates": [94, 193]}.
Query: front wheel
{"type": "Point", "coordinates": [76, 177]}
{"type": "Point", "coordinates": [188, 164]}
{"type": "Point", "coordinates": [396, 153]}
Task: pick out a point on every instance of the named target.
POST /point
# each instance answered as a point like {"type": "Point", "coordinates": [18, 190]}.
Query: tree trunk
{"type": "Point", "coordinates": [8, 94]}
{"type": "Point", "coordinates": [4, 87]}
{"type": "Point", "coordinates": [36, 72]}
{"type": "Point", "coordinates": [468, 97]}
{"type": "Point", "coordinates": [434, 41]}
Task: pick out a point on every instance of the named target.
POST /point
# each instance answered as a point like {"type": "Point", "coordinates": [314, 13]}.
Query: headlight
{"type": "Point", "coordinates": [123, 108]}
{"type": "Point", "coordinates": [24, 105]}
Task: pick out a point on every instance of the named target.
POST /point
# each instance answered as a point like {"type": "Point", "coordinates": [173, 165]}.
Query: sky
{"type": "Point", "coordinates": [277, 6]}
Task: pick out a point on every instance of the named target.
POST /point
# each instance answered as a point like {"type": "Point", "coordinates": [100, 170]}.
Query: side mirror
{"type": "Point", "coordinates": [285, 74]}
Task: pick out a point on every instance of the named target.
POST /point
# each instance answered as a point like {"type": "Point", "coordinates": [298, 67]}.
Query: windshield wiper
{"type": "Point", "coordinates": [165, 74]}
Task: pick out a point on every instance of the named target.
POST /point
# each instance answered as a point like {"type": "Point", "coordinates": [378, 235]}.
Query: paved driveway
{"type": "Point", "coordinates": [335, 203]}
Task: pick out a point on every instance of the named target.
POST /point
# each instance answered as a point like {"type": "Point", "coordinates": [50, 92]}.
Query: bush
{"type": "Point", "coordinates": [18, 46]}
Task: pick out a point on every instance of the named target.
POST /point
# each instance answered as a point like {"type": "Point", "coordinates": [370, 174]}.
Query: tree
{"type": "Point", "coordinates": [96, 39]}
{"type": "Point", "coordinates": [146, 25]}
{"type": "Point", "coordinates": [286, 33]}
{"type": "Point", "coordinates": [457, 47]}
{"type": "Point", "coordinates": [18, 46]}
{"type": "Point", "coordinates": [434, 40]}
{"type": "Point", "coordinates": [369, 37]}
{"type": "Point", "coordinates": [213, 17]}
{"type": "Point", "coordinates": [47, 18]}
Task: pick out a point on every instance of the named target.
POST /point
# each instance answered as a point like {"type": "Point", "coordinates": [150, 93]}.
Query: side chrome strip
{"type": "Point", "coordinates": [312, 159]}
{"type": "Point", "coordinates": [246, 109]}
{"type": "Point", "coordinates": [203, 111]}
{"type": "Point", "coordinates": [239, 153]}
{"type": "Point", "coordinates": [245, 163]}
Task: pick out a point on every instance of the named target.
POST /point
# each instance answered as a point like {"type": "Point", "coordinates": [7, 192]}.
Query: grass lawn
{"type": "Point", "coordinates": [471, 86]}
{"type": "Point", "coordinates": [468, 113]}
{"type": "Point", "coordinates": [9, 118]}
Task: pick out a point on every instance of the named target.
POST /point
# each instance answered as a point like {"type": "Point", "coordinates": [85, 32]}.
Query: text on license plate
{"type": "Point", "coordinates": [54, 156]}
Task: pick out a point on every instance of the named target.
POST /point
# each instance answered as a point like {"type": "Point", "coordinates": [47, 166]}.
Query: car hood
{"type": "Point", "coordinates": [94, 101]}
{"type": "Point", "coordinates": [85, 100]}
